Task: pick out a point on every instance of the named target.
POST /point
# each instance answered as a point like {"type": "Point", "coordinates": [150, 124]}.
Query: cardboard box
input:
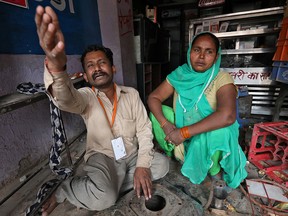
{"type": "Point", "coordinates": [224, 27]}
{"type": "Point", "coordinates": [280, 71]}
{"type": "Point", "coordinates": [206, 26]}
{"type": "Point", "coordinates": [214, 26]}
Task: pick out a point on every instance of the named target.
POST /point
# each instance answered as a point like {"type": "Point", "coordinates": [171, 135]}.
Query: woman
{"type": "Point", "coordinates": [205, 114]}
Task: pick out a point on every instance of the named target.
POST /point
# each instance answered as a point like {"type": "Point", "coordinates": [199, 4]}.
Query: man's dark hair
{"type": "Point", "coordinates": [96, 47]}
{"type": "Point", "coordinates": [214, 38]}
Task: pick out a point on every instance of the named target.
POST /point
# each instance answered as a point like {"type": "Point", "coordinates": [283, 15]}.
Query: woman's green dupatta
{"type": "Point", "coordinates": [191, 107]}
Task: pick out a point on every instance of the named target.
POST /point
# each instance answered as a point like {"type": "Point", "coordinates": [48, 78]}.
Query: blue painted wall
{"type": "Point", "coordinates": [79, 23]}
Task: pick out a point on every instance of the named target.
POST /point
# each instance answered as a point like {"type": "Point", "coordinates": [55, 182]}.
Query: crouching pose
{"type": "Point", "coordinates": [205, 114]}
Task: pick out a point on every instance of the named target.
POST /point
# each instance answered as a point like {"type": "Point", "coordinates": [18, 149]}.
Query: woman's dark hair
{"type": "Point", "coordinates": [214, 38]}
{"type": "Point", "coordinates": [96, 47]}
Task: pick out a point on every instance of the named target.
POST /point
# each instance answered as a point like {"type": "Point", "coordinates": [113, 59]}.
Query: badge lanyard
{"type": "Point", "coordinates": [117, 143]}
{"type": "Point", "coordinates": [114, 107]}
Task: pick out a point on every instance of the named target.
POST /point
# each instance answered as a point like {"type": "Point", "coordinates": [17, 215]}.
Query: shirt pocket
{"type": "Point", "coordinates": [129, 128]}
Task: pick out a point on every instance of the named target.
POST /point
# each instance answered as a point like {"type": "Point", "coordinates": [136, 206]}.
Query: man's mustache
{"type": "Point", "coordinates": [97, 74]}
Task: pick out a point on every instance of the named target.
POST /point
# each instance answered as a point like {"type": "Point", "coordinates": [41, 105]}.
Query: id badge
{"type": "Point", "coordinates": [118, 148]}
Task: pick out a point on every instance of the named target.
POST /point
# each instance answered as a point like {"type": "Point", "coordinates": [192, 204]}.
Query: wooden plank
{"type": "Point", "coordinates": [17, 100]}
{"type": "Point", "coordinates": [25, 196]}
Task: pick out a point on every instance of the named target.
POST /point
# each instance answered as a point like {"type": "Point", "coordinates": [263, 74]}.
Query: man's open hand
{"type": "Point", "coordinates": [142, 180]}
{"type": "Point", "coordinates": [51, 38]}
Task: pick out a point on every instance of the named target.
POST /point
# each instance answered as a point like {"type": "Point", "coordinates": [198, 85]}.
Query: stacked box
{"type": "Point", "coordinates": [280, 58]}
{"type": "Point", "coordinates": [280, 71]}
{"type": "Point", "coordinates": [281, 53]}
{"type": "Point", "coordinates": [274, 73]}
{"type": "Point", "coordinates": [269, 150]}
{"type": "Point", "coordinates": [283, 33]}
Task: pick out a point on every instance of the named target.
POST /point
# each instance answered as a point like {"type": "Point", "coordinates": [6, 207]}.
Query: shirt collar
{"type": "Point", "coordinates": [119, 90]}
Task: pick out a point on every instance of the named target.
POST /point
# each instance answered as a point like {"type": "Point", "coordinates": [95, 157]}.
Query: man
{"type": "Point", "coordinates": [119, 150]}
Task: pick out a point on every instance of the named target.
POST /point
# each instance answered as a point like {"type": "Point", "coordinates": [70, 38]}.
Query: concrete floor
{"type": "Point", "coordinates": [181, 197]}
{"type": "Point", "coordinates": [172, 195]}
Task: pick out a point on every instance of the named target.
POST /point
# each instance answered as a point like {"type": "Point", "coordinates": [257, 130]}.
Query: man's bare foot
{"type": "Point", "coordinates": [49, 205]}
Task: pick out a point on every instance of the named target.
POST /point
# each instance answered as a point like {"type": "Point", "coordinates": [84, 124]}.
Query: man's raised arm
{"type": "Point", "coordinates": [51, 38]}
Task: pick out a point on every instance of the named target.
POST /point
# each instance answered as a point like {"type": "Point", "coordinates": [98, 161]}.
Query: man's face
{"type": "Point", "coordinates": [203, 53]}
{"type": "Point", "coordinates": [98, 70]}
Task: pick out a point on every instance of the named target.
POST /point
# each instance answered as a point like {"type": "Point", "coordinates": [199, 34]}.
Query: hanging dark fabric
{"type": "Point", "coordinates": [60, 140]}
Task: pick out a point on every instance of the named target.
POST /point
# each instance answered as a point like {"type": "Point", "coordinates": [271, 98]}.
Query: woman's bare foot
{"type": "Point", "coordinates": [49, 205]}
{"type": "Point", "coordinates": [218, 176]}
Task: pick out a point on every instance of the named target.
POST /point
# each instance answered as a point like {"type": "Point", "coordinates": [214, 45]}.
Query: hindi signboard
{"type": "Point", "coordinates": [250, 76]}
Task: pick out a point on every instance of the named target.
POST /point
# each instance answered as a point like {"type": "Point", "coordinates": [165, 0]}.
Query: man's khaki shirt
{"type": "Point", "coordinates": [131, 122]}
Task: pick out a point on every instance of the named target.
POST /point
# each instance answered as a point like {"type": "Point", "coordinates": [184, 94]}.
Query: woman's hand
{"type": "Point", "coordinates": [175, 137]}
{"type": "Point", "coordinates": [168, 127]}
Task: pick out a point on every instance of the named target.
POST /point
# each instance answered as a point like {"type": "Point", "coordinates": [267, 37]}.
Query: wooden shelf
{"type": "Point", "coordinates": [17, 100]}
{"type": "Point", "coordinates": [148, 78]}
{"type": "Point", "coordinates": [243, 15]}
{"type": "Point", "coordinates": [248, 51]}
{"type": "Point", "coordinates": [247, 33]}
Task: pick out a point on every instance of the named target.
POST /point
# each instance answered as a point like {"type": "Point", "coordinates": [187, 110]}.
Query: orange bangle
{"type": "Point", "coordinates": [163, 123]}
{"type": "Point", "coordinates": [185, 132]}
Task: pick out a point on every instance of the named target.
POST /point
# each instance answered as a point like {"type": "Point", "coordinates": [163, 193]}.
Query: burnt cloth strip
{"type": "Point", "coordinates": [59, 138]}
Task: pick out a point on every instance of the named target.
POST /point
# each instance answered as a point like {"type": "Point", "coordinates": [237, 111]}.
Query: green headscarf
{"type": "Point", "coordinates": [190, 85]}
